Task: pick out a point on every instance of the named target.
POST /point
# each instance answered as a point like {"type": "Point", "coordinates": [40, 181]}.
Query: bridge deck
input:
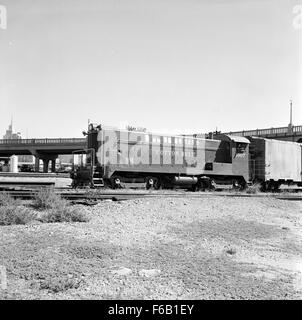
{"type": "Point", "coordinates": [46, 141]}
{"type": "Point", "coordinates": [271, 131]}
{"type": "Point", "coordinates": [52, 146]}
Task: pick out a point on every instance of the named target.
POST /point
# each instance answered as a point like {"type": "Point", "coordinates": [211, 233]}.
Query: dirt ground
{"type": "Point", "coordinates": [172, 248]}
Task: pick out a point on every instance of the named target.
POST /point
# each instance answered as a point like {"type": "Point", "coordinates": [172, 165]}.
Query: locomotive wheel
{"type": "Point", "coordinates": [157, 184]}
{"type": "Point", "coordinates": [195, 187]}
{"type": "Point", "coordinates": [153, 183]}
{"type": "Point", "coordinates": [243, 185]}
{"type": "Point", "coordinates": [201, 186]}
{"type": "Point", "coordinates": [205, 184]}
{"type": "Point", "coordinates": [236, 185]}
{"type": "Point", "coordinates": [107, 183]}
{"type": "Point", "coordinates": [149, 183]}
{"type": "Point", "coordinates": [212, 185]}
{"type": "Point", "coordinates": [115, 182]}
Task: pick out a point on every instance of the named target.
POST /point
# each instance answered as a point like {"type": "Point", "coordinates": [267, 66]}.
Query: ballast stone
{"type": "Point", "coordinates": [149, 272]}
{"type": "Point", "coordinates": [122, 271]}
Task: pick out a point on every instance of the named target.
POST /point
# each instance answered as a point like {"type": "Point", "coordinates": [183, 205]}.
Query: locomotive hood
{"type": "Point", "coordinates": [237, 138]}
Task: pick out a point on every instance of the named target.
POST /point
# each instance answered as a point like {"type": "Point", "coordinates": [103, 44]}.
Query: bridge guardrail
{"type": "Point", "coordinates": [46, 141]}
{"type": "Point", "coordinates": [297, 129]}
{"type": "Point", "coordinates": [259, 132]}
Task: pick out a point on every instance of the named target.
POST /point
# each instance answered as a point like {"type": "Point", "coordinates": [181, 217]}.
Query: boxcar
{"type": "Point", "coordinates": [275, 162]}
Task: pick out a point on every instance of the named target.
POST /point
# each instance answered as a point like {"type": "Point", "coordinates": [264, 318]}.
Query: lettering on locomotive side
{"type": "Point", "coordinates": [109, 147]}
{"type": "Point", "coordinates": [138, 148]}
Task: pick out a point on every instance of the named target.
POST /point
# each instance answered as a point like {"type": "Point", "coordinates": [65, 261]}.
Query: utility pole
{"type": "Point", "coordinates": [11, 127]}
{"type": "Point", "coordinates": [290, 126]}
{"type": "Point", "coordinates": [291, 112]}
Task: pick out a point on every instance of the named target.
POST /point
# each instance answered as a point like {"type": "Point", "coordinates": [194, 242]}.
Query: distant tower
{"type": "Point", "coordinates": [290, 126]}
{"type": "Point", "coordinates": [9, 134]}
{"type": "Point", "coordinates": [10, 128]}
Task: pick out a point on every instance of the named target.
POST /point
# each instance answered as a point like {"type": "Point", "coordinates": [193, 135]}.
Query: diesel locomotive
{"type": "Point", "coordinates": [115, 156]}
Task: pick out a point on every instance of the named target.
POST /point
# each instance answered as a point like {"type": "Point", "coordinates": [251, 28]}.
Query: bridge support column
{"type": "Point", "coordinates": [45, 165]}
{"type": "Point", "coordinates": [45, 157]}
{"type": "Point", "coordinates": [37, 164]}
{"type": "Point", "coordinates": [53, 165]}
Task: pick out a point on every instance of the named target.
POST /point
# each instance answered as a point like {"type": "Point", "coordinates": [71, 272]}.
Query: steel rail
{"type": "Point", "coordinates": [126, 195]}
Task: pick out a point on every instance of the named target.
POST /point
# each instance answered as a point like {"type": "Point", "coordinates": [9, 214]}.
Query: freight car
{"type": "Point", "coordinates": [274, 163]}
{"type": "Point", "coordinates": [115, 156]}
{"type": "Point", "coordinates": [160, 161]}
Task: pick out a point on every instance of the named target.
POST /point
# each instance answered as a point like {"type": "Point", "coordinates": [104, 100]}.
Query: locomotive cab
{"type": "Point", "coordinates": [85, 172]}
{"type": "Point", "coordinates": [235, 152]}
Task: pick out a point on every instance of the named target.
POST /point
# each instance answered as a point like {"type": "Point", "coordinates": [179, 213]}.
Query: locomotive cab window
{"type": "Point", "coordinates": [241, 147]}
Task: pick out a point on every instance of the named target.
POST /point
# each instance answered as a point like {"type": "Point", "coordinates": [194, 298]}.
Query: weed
{"type": "Point", "coordinates": [60, 284]}
{"type": "Point", "coordinates": [52, 209]}
{"type": "Point", "coordinates": [253, 189]}
{"type": "Point", "coordinates": [7, 200]}
{"type": "Point", "coordinates": [64, 214]}
{"type": "Point", "coordinates": [15, 214]}
{"type": "Point", "coordinates": [46, 198]}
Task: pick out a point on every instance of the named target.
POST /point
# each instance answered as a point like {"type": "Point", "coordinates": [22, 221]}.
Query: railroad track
{"type": "Point", "coordinates": [33, 175]}
{"type": "Point", "coordinates": [71, 195]}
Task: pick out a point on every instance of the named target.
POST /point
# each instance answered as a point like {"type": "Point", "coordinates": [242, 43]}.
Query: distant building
{"type": "Point", "coordinates": [10, 134]}
{"type": "Point", "coordinates": [29, 159]}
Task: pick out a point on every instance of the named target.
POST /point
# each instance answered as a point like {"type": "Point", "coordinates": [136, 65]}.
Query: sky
{"type": "Point", "coordinates": [171, 66]}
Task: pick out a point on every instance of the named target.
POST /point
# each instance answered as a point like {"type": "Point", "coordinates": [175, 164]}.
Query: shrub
{"type": "Point", "coordinates": [7, 200]}
{"type": "Point", "coordinates": [64, 214]}
{"type": "Point", "coordinates": [15, 214]}
{"type": "Point", "coordinates": [60, 284]}
{"type": "Point", "coordinates": [46, 198]}
{"type": "Point", "coordinates": [53, 209]}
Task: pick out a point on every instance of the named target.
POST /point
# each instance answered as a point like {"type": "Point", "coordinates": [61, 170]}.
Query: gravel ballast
{"type": "Point", "coordinates": [166, 248]}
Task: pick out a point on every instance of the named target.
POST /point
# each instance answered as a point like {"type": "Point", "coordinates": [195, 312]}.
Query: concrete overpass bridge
{"type": "Point", "coordinates": [44, 149]}
{"type": "Point", "coordinates": [290, 133]}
